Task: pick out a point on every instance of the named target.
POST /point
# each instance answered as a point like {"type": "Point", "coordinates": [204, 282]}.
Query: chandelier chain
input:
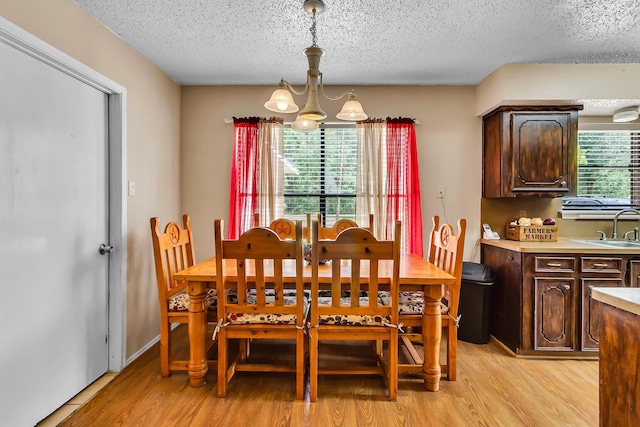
{"type": "Point", "coordinates": [314, 36]}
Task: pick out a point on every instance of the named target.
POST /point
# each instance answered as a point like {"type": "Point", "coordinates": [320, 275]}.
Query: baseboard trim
{"type": "Point", "coordinates": [150, 344]}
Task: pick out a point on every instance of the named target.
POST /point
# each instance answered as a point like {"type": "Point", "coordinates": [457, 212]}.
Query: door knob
{"type": "Point", "coordinates": [105, 249]}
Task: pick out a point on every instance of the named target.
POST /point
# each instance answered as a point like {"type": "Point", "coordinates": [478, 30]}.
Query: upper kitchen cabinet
{"type": "Point", "coordinates": [530, 151]}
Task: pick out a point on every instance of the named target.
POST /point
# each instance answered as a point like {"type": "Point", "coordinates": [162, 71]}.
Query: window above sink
{"type": "Point", "coordinates": [608, 174]}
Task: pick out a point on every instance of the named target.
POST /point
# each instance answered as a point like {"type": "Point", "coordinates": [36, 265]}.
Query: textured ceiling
{"type": "Point", "coordinates": [401, 42]}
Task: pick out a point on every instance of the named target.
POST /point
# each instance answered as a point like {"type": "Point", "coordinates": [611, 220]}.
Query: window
{"type": "Point", "coordinates": [608, 171]}
{"type": "Point", "coordinates": [320, 173]}
{"type": "Point", "coordinates": [336, 171]}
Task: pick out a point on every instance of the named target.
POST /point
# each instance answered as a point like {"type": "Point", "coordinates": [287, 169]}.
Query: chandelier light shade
{"type": "Point", "coordinates": [282, 102]}
{"type": "Point", "coordinates": [627, 114]}
{"type": "Point", "coordinates": [352, 109]}
{"type": "Point", "coordinates": [304, 125]}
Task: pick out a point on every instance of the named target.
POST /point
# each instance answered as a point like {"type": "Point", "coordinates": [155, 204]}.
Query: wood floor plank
{"type": "Point", "coordinates": [493, 389]}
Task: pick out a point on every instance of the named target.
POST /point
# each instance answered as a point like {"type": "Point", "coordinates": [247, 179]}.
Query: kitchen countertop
{"type": "Point", "coordinates": [563, 245]}
{"type": "Point", "coordinates": [627, 299]}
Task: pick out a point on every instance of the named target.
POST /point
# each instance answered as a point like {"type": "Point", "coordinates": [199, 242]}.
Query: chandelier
{"type": "Point", "coordinates": [281, 100]}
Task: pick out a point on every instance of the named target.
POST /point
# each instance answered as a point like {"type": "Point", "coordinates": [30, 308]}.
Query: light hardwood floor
{"type": "Point", "coordinates": [493, 389]}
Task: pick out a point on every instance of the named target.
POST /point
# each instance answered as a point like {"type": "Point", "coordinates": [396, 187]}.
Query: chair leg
{"type": "Point", "coordinates": [222, 363]}
{"type": "Point", "coordinates": [244, 350]}
{"type": "Point", "coordinates": [379, 347]}
{"type": "Point", "coordinates": [393, 366]}
{"type": "Point", "coordinates": [313, 365]}
{"type": "Point", "coordinates": [165, 348]}
{"type": "Point", "coordinates": [300, 365]}
{"type": "Point", "coordinates": [452, 352]}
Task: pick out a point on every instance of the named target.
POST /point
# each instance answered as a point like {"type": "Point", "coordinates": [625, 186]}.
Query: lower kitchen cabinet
{"type": "Point", "coordinates": [591, 316]}
{"type": "Point", "coordinates": [554, 313]}
{"type": "Point", "coordinates": [541, 302]}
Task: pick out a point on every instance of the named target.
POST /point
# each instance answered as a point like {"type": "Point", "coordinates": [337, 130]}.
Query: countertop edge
{"type": "Point", "coordinates": [627, 299]}
{"type": "Point", "coordinates": [563, 245]}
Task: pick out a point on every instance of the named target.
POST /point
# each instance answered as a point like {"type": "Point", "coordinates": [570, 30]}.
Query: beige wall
{"type": "Point", "coordinates": [448, 136]}
{"type": "Point", "coordinates": [499, 212]}
{"type": "Point", "coordinates": [153, 126]}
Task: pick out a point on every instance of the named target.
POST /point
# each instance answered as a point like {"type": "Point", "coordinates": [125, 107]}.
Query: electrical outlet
{"type": "Point", "coordinates": [132, 188]}
{"type": "Point", "coordinates": [440, 191]}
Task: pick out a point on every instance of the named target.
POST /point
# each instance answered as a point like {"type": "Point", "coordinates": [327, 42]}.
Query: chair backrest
{"type": "Point", "coordinates": [340, 225]}
{"type": "Point", "coordinates": [260, 260]}
{"type": "Point", "coordinates": [446, 250]}
{"type": "Point", "coordinates": [306, 230]}
{"type": "Point", "coordinates": [356, 251]}
{"type": "Point", "coordinates": [172, 251]}
{"type": "Point", "coordinates": [284, 227]}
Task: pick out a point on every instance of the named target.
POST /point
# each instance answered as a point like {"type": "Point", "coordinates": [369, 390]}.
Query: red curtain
{"type": "Point", "coordinates": [403, 183]}
{"type": "Point", "coordinates": [244, 175]}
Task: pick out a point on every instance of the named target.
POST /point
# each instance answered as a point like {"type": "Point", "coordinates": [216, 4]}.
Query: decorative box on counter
{"type": "Point", "coordinates": [532, 233]}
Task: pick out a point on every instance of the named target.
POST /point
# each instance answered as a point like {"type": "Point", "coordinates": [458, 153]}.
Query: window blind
{"type": "Point", "coordinates": [608, 170]}
{"type": "Point", "coordinates": [320, 173]}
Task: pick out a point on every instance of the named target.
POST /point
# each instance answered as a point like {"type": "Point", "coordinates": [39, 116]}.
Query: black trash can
{"type": "Point", "coordinates": [475, 302]}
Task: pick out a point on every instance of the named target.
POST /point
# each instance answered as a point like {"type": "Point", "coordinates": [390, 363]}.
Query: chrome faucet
{"type": "Point", "coordinates": [635, 232]}
{"type": "Point", "coordinates": [614, 235]}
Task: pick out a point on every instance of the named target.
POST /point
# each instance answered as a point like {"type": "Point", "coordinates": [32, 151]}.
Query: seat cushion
{"type": "Point", "coordinates": [409, 302]}
{"type": "Point", "coordinates": [350, 319]}
{"type": "Point", "coordinates": [269, 318]}
{"type": "Point", "coordinates": [180, 302]}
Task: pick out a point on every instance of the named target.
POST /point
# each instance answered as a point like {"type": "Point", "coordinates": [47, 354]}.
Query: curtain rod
{"type": "Point", "coordinates": [230, 121]}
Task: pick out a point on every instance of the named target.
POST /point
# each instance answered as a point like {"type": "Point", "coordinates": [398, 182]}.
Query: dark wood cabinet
{"type": "Point", "coordinates": [591, 316]}
{"type": "Point", "coordinates": [541, 302]}
{"type": "Point", "coordinates": [634, 272]}
{"type": "Point", "coordinates": [530, 151]}
{"type": "Point", "coordinates": [554, 313]}
{"type": "Point", "coordinates": [619, 368]}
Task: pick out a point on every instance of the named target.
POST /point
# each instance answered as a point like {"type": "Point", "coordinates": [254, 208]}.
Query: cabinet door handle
{"type": "Point", "coordinates": [567, 287]}
{"type": "Point", "coordinates": [554, 264]}
{"type": "Point", "coordinates": [600, 265]}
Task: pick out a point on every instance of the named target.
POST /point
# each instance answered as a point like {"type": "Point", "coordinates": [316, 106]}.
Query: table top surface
{"type": "Point", "coordinates": [414, 270]}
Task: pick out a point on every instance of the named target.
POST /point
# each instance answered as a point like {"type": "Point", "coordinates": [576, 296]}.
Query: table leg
{"type": "Point", "coordinates": [197, 330]}
{"type": "Point", "coordinates": [431, 335]}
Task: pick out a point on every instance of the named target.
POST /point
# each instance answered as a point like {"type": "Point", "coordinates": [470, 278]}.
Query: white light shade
{"type": "Point", "coordinates": [303, 125]}
{"type": "Point", "coordinates": [352, 110]}
{"type": "Point", "coordinates": [281, 102]}
{"type": "Point", "coordinates": [626, 115]}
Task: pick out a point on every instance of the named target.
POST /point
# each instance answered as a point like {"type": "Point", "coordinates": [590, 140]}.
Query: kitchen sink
{"type": "Point", "coordinates": [612, 243]}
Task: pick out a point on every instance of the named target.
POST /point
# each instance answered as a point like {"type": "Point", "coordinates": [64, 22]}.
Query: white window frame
{"type": "Point", "coordinates": [599, 124]}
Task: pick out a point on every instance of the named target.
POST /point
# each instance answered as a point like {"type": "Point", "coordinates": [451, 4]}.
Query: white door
{"type": "Point", "coordinates": [53, 217]}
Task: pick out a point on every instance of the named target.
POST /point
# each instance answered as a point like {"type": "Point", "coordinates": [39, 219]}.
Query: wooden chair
{"type": "Point", "coordinates": [357, 252]}
{"type": "Point", "coordinates": [330, 233]}
{"type": "Point", "coordinates": [264, 309]}
{"type": "Point", "coordinates": [284, 227]}
{"type": "Point", "coordinates": [446, 251]}
{"type": "Point", "coordinates": [173, 251]}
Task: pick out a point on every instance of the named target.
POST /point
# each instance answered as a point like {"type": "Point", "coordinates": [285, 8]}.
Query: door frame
{"type": "Point", "coordinates": [31, 45]}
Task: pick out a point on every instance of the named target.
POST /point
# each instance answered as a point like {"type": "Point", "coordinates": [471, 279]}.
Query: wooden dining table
{"type": "Point", "coordinates": [416, 273]}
